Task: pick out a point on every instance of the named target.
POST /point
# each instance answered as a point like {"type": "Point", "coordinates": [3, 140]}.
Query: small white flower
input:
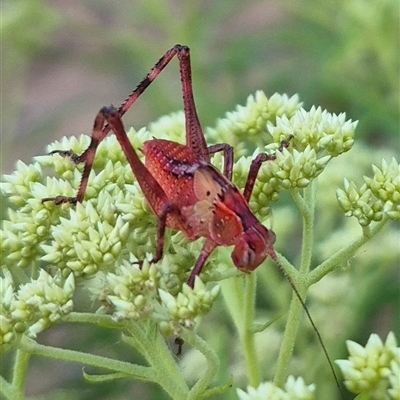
{"type": "Point", "coordinates": [266, 390]}
{"type": "Point", "coordinates": [369, 369]}
{"type": "Point", "coordinates": [295, 389]}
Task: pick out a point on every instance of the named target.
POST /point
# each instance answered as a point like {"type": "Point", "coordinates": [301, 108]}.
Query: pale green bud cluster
{"type": "Point", "coordinates": [92, 238]}
{"type": "Point", "coordinates": [8, 330]}
{"type": "Point", "coordinates": [249, 122]}
{"type": "Point", "coordinates": [139, 290]}
{"type": "Point", "coordinates": [373, 370]}
{"type": "Point", "coordinates": [34, 306]}
{"type": "Point", "coordinates": [170, 127]}
{"type": "Point", "coordinates": [18, 185]}
{"type": "Point", "coordinates": [29, 225]}
{"type": "Point", "coordinates": [326, 133]}
{"type": "Point", "coordinates": [378, 196]}
{"type": "Point", "coordinates": [295, 389]}
{"type": "Point", "coordinates": [315, 137]}
{"type": "Point", "coordinates": [177, 263]}
{"type": "Point", "coordinates": [131, 290]}
{"type": "Point", "coordinates": [184, 309]}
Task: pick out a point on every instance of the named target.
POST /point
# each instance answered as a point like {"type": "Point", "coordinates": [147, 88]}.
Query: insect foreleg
{"type": "Point", "coordinates": [97, 133]}
{"type": "Point", "coordinates": [256, 165]}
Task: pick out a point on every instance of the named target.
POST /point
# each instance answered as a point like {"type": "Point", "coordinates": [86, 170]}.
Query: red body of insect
{"type": "Point", "coordinates": [207, 203]}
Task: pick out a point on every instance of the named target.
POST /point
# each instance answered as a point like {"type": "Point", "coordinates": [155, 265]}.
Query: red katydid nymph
{"type": "Point", "coordinates": [183, 189]}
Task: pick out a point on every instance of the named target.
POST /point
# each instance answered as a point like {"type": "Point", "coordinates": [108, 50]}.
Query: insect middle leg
{"type": "Point", "coordinates": [228, 157]}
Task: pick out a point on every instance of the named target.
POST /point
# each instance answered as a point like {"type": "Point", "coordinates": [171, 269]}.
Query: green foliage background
{"type": "Point", "coordinates": [63, 61]}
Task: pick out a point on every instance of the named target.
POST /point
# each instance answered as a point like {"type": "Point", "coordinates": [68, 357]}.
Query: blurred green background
{"type": "Point", "coordinates": [62, 61]}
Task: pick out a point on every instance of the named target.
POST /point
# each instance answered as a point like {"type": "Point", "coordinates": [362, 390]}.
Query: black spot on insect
{"type": "Point", "coordinates": [179, 342]}
{"type": "Point", "coordinates": [251, 245]}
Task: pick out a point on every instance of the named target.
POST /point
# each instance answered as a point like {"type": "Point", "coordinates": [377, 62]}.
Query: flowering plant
{"type": "Point", "coordinates": [100, 249]}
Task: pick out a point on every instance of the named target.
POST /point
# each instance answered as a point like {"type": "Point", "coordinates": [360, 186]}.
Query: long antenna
{"type": "Point", "coordinates": [274, 257]}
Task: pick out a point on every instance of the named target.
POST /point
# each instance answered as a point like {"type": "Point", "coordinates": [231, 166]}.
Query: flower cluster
{"type": "Point", "coordinates": [97, 239]}
{"type": "Point", "coordinates": [378, 196]}
{"type": "Point", "coordinates": [130, 291]}
{"type": "Point", "coordinates": [91, 239]}
{"type": "Point", "coordinates": [34, 306]}
{"type": "Point", "coordinates": [184, 309]}
{"type": "Point", "coordinates": [26, 228]}
{"type": "Point", "coordinates": [313, 137]}
{"type": "Point", "coordinates": [249, 122]}
{"type": "Point", "coordinates": [295, 389]}
{"type": "Point", "coordinates": [374, 369]}
{"type": "Point", "coordinates": [114, 225]}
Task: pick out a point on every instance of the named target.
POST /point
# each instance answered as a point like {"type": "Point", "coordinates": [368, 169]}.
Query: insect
{"type": "Point", "coordinates": [183, 189]}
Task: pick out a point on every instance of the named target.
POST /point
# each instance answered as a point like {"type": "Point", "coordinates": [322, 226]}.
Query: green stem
{"type": "Point", "coordinates": [247, 333]}
{"type": "Point", "coordinates": [232, 290]}
{"type": "Point", "coordinates": [307, 208]}
{"type": "Point", "coordinates": [240, 302]}
{"type": "Point", "coordinates": [286, 267]}
{"type": "Point", "coordinates": [344, 254]}
{"type": "Point", "coordinates": [154, 348]}
{"type": "Point", "coordinates": [306, 205]}
{"type": "Point", "coordinates": [96, 319]}
{"type": "Point", "coordinates": [217, 390]}
{"type": "Point", "coordinates": [20, 372]}
{"type": "Point", "coordinates": [136, 371]}
{"type": "Point", "coordinates": [289, 337]}
{"type": "Point", "coordinates": [150, 344]}
{"type": "Point", "coordinates": [8, 391]}
{"type": "Point", "coordinates": [148, 341]}
{"type": "Point", "coordinates": [198, 390]}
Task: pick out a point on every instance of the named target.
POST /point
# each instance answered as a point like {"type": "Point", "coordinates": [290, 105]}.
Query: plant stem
{"type": "Point", "coordinates": [96, 319]}
{"type": "Point", "coordinates": [8, 391]}
{"type": "Point", "coordinates": [212, 364]}
{"type": "Point", "coordinates": [19, 373]}
{"type": "Point", "coordinates": [307, 212]}
{"type": "Point", "coordinates": [306, 205]}
{"type": "Point", "coordinates": [158, 355]}
{"type": "Point", "coordinates": [232, 290]}
{"type": "Point", "coordinates": [136, 371]}
{"type": "Point", "coordinates": [246, 332]}
{"type": "Point", "coordinates": [146, 339]}
{"type": "Point", "coordinates": [344, 254]}
{"type": "Point", "coordinates": [289, 337]}
{"type": "Point", "coordinates": [240, 302]}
